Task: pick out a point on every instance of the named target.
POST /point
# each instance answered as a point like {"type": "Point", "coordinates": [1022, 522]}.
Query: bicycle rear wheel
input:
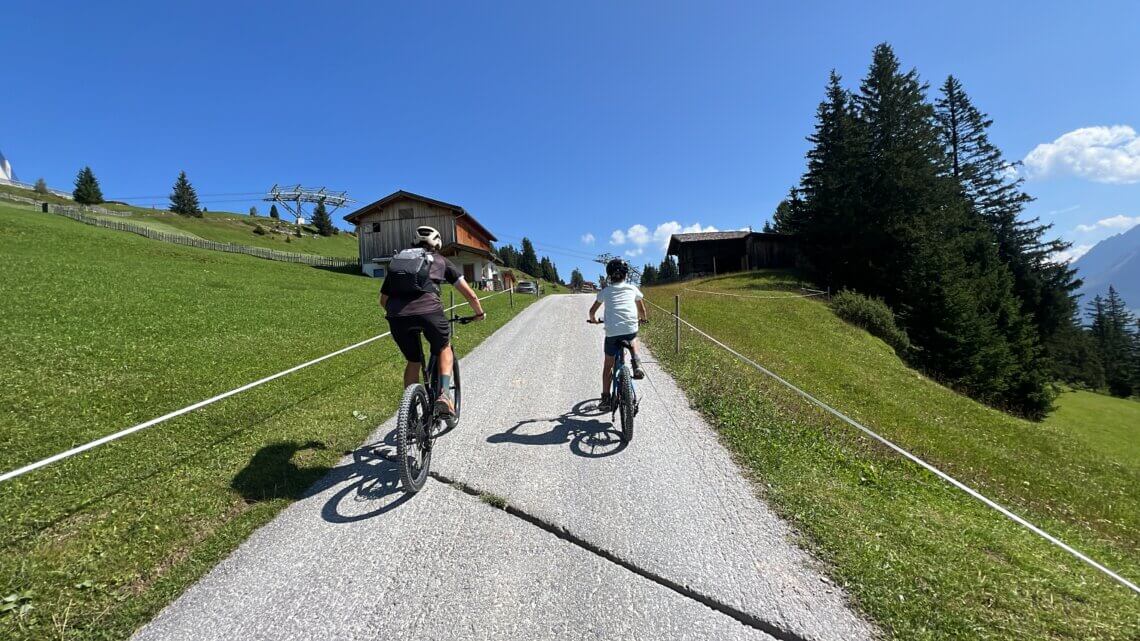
{"type": "Point", "coordinates": [627, 410]}
{"type": "Point", "coordinates": [413, 437]}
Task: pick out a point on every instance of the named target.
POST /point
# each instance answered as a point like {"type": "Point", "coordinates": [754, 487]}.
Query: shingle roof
{"type": "Point", "coordinates": [710, 235]}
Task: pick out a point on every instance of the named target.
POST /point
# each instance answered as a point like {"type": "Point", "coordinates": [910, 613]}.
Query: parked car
{"type": "Point", "coordinates": [526, 287]}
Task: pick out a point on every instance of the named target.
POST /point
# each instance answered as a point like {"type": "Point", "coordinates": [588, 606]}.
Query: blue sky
{"type": "Point", "coordinates": [552, 121]}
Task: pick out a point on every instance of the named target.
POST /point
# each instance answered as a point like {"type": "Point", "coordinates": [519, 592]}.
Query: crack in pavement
{"type": "Point", "coordinates": [740, 616]}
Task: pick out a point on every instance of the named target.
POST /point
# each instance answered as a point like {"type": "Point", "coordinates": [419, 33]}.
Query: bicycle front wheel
{"type": "Point", "coordinates": [413, 437]}
{"type": "Point", "coordinates": [625, 387]}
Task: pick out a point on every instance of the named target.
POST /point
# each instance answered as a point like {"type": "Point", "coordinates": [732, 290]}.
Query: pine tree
{"type": "Point", "coordinates": [253, 211]}
{"type": "Point", "coordinates": [41, 186]}
{"type": "Point", "coordinates": [321, 220]}
{"type": "Point", "coordinates": [667, 271]}
{"type": "Point", "coordinates": [782, 218]}
{"type": "Point", "coordinates": [648, 275]}
{"type": "Point", "coordinates": [993, 192]}
{"type": "Point", "coordinates": [273, 212]}
{"type": "Point", "coordinates": [184, 200]}
{"type": "Point", "coordinates": [528, 260]}
{"type": "Point", "coordinates": [576, 279]}
{"type": "Point", "coordinates": [87, 191]}
{"type": "Point", "coordinates": [882, 214]}
{"type": "Point", "coordinates": [1113, 328]}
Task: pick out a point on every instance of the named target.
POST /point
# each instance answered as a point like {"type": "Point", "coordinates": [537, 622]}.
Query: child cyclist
{"type": "Point", "coordinates": [625, 310]}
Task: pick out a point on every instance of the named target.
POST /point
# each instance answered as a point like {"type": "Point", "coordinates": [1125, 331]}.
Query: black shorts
{"type": "Point", "coordinates": [406, 332]}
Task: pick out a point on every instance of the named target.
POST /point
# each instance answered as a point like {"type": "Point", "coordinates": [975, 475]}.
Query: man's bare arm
{"type": "Point", "coordinates": [469, 294]}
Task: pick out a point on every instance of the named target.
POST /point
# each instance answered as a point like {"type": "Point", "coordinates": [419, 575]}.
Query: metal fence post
{"type": "Point", "coordinates": [676, 323]}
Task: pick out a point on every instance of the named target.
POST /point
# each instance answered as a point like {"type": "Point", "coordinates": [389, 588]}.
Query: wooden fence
{"type": "Point", "coordinates": [75, 213]}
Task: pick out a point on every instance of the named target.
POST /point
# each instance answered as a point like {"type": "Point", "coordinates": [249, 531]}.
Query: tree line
{"type": "Point", "coordinates": [184, 200]}
{"type": "Point", "coordinates": [907, 200]}
{"type": "Point", "coordinates": [527, 260]}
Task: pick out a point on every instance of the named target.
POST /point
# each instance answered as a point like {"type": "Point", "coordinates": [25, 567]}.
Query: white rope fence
{"type": "Point", "coordinates": [7, 476]}
{"type": "Point", "coordinates": [930, 468]}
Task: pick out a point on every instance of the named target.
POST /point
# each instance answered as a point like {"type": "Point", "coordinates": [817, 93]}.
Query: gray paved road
{"type": "Point", "coordinates": [693, 553]}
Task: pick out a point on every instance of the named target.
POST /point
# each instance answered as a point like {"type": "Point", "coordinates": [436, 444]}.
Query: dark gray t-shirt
{"type": "Point", "coordinates": [424, 303]}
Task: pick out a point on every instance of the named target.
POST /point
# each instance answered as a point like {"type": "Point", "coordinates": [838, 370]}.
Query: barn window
{"type": "Point", "coordinates": [407, 213]}
{"type": "Point", "coordinates": [375, 228]}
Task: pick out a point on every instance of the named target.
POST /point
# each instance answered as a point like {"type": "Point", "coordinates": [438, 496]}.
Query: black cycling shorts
{"type": "Point", "coordinates": [406, 332]}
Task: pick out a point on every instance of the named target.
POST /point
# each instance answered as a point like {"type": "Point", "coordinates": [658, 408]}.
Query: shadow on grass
{"type": "Point", "coordinates": [588, 436]}
{"type": "Point", "coordinates": [271, 473]}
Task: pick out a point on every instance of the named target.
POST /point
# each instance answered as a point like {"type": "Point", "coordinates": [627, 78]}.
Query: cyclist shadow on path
{"type": "Point", "coordinates": [371, 484]}
{"type": "Point", "coordinates": [589, 432]}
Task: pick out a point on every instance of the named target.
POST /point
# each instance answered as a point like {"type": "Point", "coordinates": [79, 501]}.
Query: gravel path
{"type": "Point", "coordinates": [662, 539]}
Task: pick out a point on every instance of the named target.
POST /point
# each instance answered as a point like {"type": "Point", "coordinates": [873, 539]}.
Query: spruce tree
{"type": "Point", "coordinates": [879, 211]}
{"type": "Point", "coordinates": [273, 212]}
{"type": "Point", "coordinates": [667, 271]}
{"type": "Point", "coordinates": [648, 275]}
{"type": "Point", "coordinates": [993, 192]}
{"type": "Point", "coordinates": [87, 191]}
{"type": "Point", "coordinates": [528, 260]}
{"type": "Point", "coordinates": [184, 200]}
{"type": "Point", "coordinates": [321, 220]}
{"type": "Point", "coordinates": [253, 211]}
{"type": "Point", "coordinates": [41, 186]}
{"type": "Point", "coordinates": [576, 279]}
{"type": "Point", "coordinates": [781, 218]}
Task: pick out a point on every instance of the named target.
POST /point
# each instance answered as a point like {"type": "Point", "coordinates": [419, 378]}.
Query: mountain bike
{"type": "Point", "coordinates": [418, 423]}
{"type": "Point", "coordinates": [623, 392]}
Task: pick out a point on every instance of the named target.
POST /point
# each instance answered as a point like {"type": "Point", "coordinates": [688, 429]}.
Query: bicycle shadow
{"type": "Point", "coordinates": [373, 484]}
{"type": "Point", "coordinates": [581, 427]}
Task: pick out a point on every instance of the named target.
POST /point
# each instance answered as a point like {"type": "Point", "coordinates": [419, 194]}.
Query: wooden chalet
{"type": "Point", "coordinates": [388, 225]}
{"type": "Point", "coordinates": [718, 252]}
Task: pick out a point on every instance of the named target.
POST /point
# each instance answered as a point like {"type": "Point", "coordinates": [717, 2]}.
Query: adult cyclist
{"type": "Point", "coordinates": [410, 298]}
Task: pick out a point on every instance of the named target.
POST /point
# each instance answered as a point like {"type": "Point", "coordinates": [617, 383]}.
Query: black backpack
{"type": "Point", "coordinates": [409, 274]}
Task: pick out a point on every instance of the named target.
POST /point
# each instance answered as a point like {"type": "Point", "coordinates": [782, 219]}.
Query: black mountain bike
{"type": "Point", "coordinates": [418, 423]}
{"type": "Point", "coordinates": [622, 391]}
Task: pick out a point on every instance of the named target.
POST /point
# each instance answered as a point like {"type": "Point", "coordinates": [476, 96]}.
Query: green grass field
{"type": "Point", "coordinates": [223, 227]}
{"type": "Point", "coordinates": [1104, 424]}
{"type": "Point", "coordinates": [924, 560]}
{"type": "Point", "coordinates": [103, 330]}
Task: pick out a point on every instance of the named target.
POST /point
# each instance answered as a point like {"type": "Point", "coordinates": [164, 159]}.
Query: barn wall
{"type": "Point", "coordinates": [470, 236]}
{"type": "Point", "coordinates": [395, 233]}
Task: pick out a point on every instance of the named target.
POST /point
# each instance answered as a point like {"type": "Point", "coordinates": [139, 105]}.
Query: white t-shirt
{"type": "Point", "coordinates": [620, 301]}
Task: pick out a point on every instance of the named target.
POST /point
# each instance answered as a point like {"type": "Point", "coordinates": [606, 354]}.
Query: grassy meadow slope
{"type": "Point", "coordinates": [106, 329]}
{"type": "Point", "coordinates": [921, 558]}
{"type": "Point", "coordinates": [222, 227]}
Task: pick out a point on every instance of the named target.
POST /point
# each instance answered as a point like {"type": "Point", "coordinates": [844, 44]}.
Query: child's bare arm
{"type": "Point", "coordinates": [593, 310]}
{"type": "Point", "coordinates": [641, 313]}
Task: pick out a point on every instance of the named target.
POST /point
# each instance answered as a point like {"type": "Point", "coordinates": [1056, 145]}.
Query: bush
{"type": "Point", "coordinates": [873, 315]}
{"type": "Point", "coordinates": [259, 230]}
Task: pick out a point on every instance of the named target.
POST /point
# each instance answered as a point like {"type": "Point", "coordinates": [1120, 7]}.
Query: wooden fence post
{"type": "Point", "coordinates": [511, 295]}
{"type": "Point", "coordinates": [676, 323]}
{"type": "Point", "coordinates": [455, 326]}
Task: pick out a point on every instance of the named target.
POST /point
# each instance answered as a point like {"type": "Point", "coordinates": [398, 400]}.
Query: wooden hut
{"type": "Point", "coordinates": [720, 252]}
{"type": "Point", "coordinates": [388, 225]}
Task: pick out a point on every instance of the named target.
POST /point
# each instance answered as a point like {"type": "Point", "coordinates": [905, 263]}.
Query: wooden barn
{"type": "Point", "coordinates": [388, 225]}
{"type": "Point", "coordinates": [718, 252]}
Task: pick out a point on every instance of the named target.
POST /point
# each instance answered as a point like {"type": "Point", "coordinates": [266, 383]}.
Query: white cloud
{"type": "Point", "coordinates": [1099, 154]}
{"type": "Point", "coordinates": [1073, 253]}
{"type": "Point", "coordinates": [636, 251]}
{"type": "Point", "coordinates": [640, 237]}
{"type": "Point", "coordinates": [588, 239]}
{"type": "Point", "coordinates": [1120, 222]}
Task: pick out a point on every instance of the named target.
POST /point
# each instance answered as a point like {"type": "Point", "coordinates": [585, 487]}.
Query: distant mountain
{"type": "Point", "coordinates": [1113, 261]}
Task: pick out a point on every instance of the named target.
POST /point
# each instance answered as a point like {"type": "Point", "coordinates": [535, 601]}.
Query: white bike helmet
{"type": "Point", "coordinates": [428, 237]}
